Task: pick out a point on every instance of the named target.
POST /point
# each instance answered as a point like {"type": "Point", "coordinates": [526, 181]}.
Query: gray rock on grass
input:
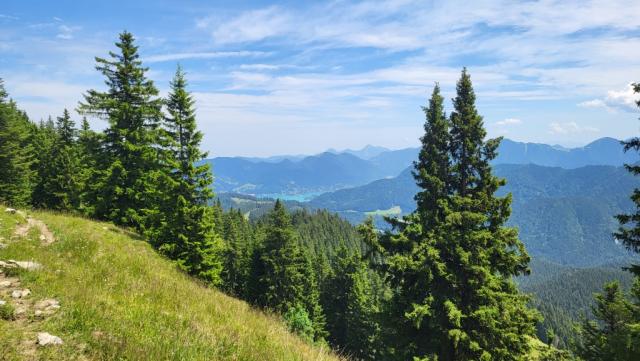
{"type": "Point", "coordinates": [45, 339]}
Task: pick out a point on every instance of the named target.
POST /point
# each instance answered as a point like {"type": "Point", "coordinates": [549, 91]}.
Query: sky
{"type": "Point", "coordinates": [296, 77]}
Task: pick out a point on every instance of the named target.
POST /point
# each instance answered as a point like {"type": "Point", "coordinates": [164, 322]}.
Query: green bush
{"type": "Point", "coordinates": [299, 322]}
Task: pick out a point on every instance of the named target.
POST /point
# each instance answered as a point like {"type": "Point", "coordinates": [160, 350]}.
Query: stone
{"type": "Point", "coordinates": [5, 284]}
{"type": "Point", "coordinates": [2, 303]}
{"type": "Point", "coordinates": [27, 265]}
{"type": "Point", "coordinates": [21, 293]}
{"type": "Point", "coordinates": [3, 245]}
{"type": "Point", "coordinates": [45, 339]}
{"type": "Point", "coordinates": [11, 210]}
{"type": "Point", "coordinates": [48, 305]}
{"type": "Point", "coordinates": [20, 311]}
{"type": "Point", "coordinates": [43, 238]}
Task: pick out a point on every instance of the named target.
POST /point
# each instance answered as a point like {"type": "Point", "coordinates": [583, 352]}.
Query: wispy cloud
{"type": "Point", "coordinates": [66, 32]}
{"type": "Point", "coordinates": [203, 55]}
{"type": "Point", "coordinates": [8, 17]}
{"type": "Point", "coordinates": [253, 25]}
{"type": "Point", "coordinates": [508, 121]}
{"type": "Point", "coordinates": [568, 128]}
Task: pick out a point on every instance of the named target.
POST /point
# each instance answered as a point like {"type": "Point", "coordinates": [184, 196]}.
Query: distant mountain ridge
{"type": "Point", "coordinates": [564, 215]}
{"type": "Point", "coordinates": [333, 170]}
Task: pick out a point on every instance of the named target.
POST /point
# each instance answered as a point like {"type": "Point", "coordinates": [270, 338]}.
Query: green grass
{"type": "Point", "coordinates": [7, 312]}
{"type": "Point", "coordinates": [122, 301]}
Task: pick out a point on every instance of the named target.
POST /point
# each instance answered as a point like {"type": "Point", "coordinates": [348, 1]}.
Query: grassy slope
{"type": "Point", "coordinates": [121, 301]}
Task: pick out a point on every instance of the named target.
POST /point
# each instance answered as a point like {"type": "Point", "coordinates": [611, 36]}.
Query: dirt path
{"type": "Point", "coordinates": [46, 236]}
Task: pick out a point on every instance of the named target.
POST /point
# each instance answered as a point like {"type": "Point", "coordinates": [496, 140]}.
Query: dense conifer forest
{"type": "Point", "coordinates": [439, 283]}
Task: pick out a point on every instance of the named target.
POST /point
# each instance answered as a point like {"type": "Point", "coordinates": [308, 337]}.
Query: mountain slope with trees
{"type": "Point", "coordinates": [120, 300]}
{"type": "Point", "coordinates": [564, 215]}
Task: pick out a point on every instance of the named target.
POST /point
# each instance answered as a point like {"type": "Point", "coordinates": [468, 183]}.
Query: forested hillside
{"type": "Point", "coordinates": [563, 215]}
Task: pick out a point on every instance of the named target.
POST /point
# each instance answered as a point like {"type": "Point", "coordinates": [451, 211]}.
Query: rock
{"type": "Point", "coordinates": [4, 264]}
{"type": "Point", "coordinates": [11, 210]}
{"type": "Point", "coordinates": [27, 265]}
{"type": "Point", "coordinates": [42, 238]}
{"type": "Point", "coordinates": [20, 311]}
{"type": "Point", "coordinates": [45, 339]}
{"type": "Point", "coordinates": [5, 284]}
{"type": "Point", "coordinates": [49, 305]}
{"type": "Point", "coordinates": [3, 245]}
{"type": "Point", "coordinates": [21, 293]}
{"type": "Point", "coordinates": [2, 303]}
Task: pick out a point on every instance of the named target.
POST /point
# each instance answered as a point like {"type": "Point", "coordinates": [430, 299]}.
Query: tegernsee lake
{"type": "Point", "coordinates": [301, 197]}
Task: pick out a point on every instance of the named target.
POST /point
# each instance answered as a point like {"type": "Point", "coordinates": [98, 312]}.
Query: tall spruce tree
{"type": "Point", "coordinates": [133, 110]}
{"type": "Point", "coordinates": [237, 253]}
{"type": "Point", "coordinates": [16, 153]}
{"type": "Point", "coordinates": [45, 138]}
{"type": "Point", "coordinates": [185, 231]}
{"type": "Point", "coordinates": [90, 155]}
{"type": "Point", "coordinates": [451, 261]}
{"type": "Point", "coordinates": [66, 184]}
{"type": "Point", "coordinates": [431, 171]}
{"type": "Point", "coordinates": [282, 275]}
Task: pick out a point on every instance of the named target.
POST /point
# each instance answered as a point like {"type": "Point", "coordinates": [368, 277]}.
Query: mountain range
{"type": "Point", "coordinates": [333, 170]}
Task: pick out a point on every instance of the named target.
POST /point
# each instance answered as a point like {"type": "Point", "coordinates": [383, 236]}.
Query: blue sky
{"type": "Point", "coordinates": [295, 77]}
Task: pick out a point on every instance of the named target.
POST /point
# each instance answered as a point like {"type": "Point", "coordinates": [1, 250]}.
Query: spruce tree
{"type": "Point", "coordinates": [431, 171]}
{"type": "Point", "coordinates": [351, 307]}
{"type": "Point", "coordinates": [282, 275]}
{"type": "Point", "coordinates": [615, 332]}
{"type": "Point", "coordinates": [183, 222]}
{"type": "Point", "coordinates": [44, 140]}
{"type": "Point", "coordinates": [451, 261]}
{"type": "Point", "coordinates": [133, 110]}
{"type": "Point", "coordinates": [237, 254]}
{"type": "Point", "coordinates": [66, 185]}
{"type": "Point", "coordinates": [90, 155]}
{"type": "Point", "coordinates": [16, 153]}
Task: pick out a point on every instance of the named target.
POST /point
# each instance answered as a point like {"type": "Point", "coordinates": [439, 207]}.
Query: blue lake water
{"type": "Point", "coordinates": [302, 197]}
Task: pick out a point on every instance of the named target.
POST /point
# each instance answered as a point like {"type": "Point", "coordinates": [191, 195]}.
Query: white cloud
{"type": "Point", "coordinates": [625, 100]}
{"type": "Point", "coordinates": [509, 121]}
{"type": "Point", "coordinates": [203, 55]}
{"type": "Point", "coordinates": [569, 128]}
{"type": "Point", "coordinates": [8, 17]}
{"type": "Point", "coordinates": [251, 26]}
{"type": "Point", "coordinates": [66, 32]}
{"type": "Point", "coordinates": [260, 67]}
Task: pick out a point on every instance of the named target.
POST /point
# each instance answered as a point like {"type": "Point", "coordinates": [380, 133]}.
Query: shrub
{"type": "Point", "coordinates": [299, 322]}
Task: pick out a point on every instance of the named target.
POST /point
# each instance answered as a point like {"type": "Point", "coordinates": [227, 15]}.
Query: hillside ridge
{"type": "Point", "coordinates": [100, 292]}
